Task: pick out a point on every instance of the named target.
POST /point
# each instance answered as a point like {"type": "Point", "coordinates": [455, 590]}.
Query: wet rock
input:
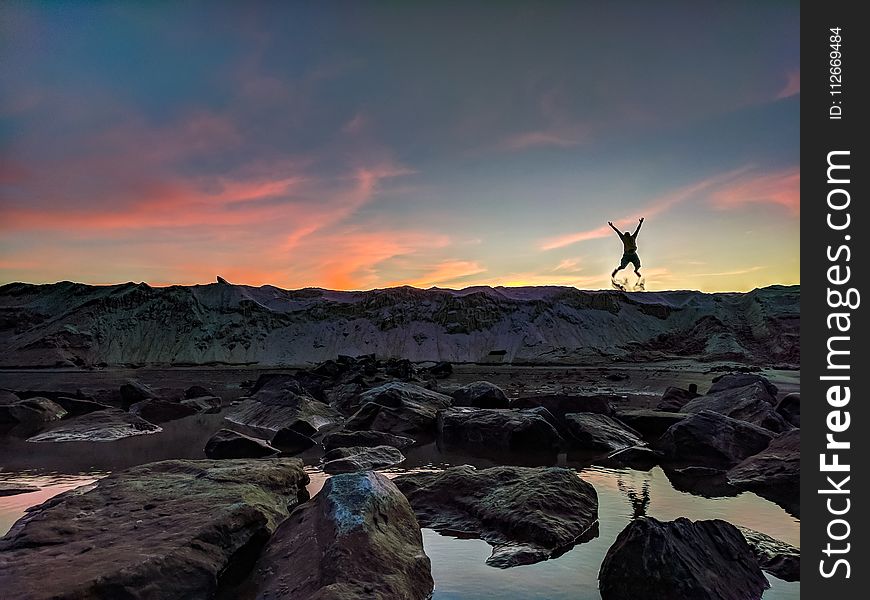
{"type": "Point", "coordinates": [675, 398]}
{"type": "Point", "coordinates": [361, 458]}
{"type": "Point", "coordinates": [497, 429]}
{"type": "Point", "coordinates": [739, 380]}
{"type": "Point", "coordinates": [652, 560]}
{"type": "Point", "coordinates": [168, 530]}
{"type": "Point", "coordinates": [346, 439]}
{"type": "Point", "coordinates": [197, 391]}
{"type": "Point", "coordinates": [399, 408]}
{"type": "Point", "coordinates": [639, 458]}
{"type": "Point", "coordinates": [13, 489]}
{"type": "Point", "coordinates": [291, 441]}
{"type": "Point", "coordinates": [280, 403]}
{"type": "Point", "coordinates": [158, 411]}
{"type": "Point", "coordinates": [106, 425]}
{"type": "Point", "coordinates": [711, 439]}
{"type": "Point", "coordinates": [480, 394]}
{"type": "Point", "coordinates": [750, 403]}
{"type": "Point", "coordinates": [650, 423]}
{"type": "Point", "coordinates": [708, 482]}
{"type": "Point", "coordinates": [135, 391]}
{"type": "Point", "coordinates": [358, 538]}
{"type": "Point", "coordinates": [790, 408]}
{"type": "Point", "coordinates": [595, 432]}
{"type": "Point", "coordinates": [232, 444]}
{"type": "Point", "coordinates": [774, 472]}
{"type": "Point", "coordinates": [77, 406]}
{"type": "Point", "coordinates": [562, 404]}
{"type": "Point", "coordinates": [30, 413]}
{"type": "Point", "coordinates": [777, 558]}
{"type": "Point", "coordinates": [204, 404]}
{"type": "Point", "coordinates": [526, 514]}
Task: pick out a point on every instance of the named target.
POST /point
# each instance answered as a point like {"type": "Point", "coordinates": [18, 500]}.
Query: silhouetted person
{"type": "Point", "coordinates": [629, 248]}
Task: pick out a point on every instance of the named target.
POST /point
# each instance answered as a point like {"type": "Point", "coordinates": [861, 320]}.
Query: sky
{"type": "Point", "coordinates": [359, 145]}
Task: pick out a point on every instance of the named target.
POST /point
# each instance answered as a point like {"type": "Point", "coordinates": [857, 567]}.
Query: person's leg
{"type": "Point", "coordinates": [622, 264]}
{"type": "Point", "coordinates": [636, 262]}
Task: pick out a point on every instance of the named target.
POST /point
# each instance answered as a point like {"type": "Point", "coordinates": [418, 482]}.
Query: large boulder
{"type": "Point", "coordinates": [750, 403]}
{"type": "Point", "coordinates": [480, 394]}
{"type": "Point", "coordinates": [290, 441]}
{"type": "Point", "coordinates": [774, 556]}
{"type": "Point", "coordinates": [790, 408]}
{"type": "Point", "coordinates": [674, 398]}
{"type": "Point", "coordinates": [280, 403]}
{"type": "Point", "coordinates": [31, 412]}
{"type": "Point", "coordinates": [106, 425]}
{"type": "Point", "coordinates": [135, 391]}
{"type": "Point", "coordinates": [562, 404]}
{"type": "Point", "coordinates": [204, 404]}
{"type": "Point", "coordinates": [774, 472]}
{"type": "Point", "coordinates": [361, 458]}
{"type": "Point", "coordinates": [600, 433]}
{"type": "Point", "coordinates": [526, 514]}
{"type": "Point", "coordinates": [399, 408]}
{"type": "Point", "coordinates": [650, 423]}
{"type": "Point", "coordinates": [346, 439]}
{"type": "Point", "coordinates": [166, 530]}
{"type": "Point", "coordinates": [714, 440]}
{"type": "Point", "coordinates": [497, 429]}
{"type": "Point", "coordinates": [357, 539]}
{"type": "Point", "coordinates": [75, 407]}
{"type": "Point", "coordinates": [652, 560]}
{"type": "Point", "coordinates": [738, 380]}
{"type": "Point", "coordinates": [157, 410]}
{"type": "Point", "coordinates": [227, 443]}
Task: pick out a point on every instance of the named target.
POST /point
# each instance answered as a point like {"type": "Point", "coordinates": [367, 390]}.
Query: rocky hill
{"type": "Point", "coordinates": [66, 324]}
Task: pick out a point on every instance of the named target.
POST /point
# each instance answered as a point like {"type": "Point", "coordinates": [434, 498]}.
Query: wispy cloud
{"type": "Point", "coordinates": [792, 86]}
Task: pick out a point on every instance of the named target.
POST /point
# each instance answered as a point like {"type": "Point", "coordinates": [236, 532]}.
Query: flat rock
{"type": "Point", "coordinates": [738, 380]}
{"type": "Point", "coordinates": [204, 404]}
{"type": "Point", "coordinates": [361, 458]}
{"type": "Point", "coordinates": [106, 425]}
{"type": "Point", "coordinates": [776, 557]}
{"type": "Point", "coordinates": [774, 472]}
{"type": "Point", "coordinates": [480, 394]}
{"type": "Point", "coordinates": [562, 404]}
{"type": "Point", "coordinates": [650, 423]}
{"type": "Point", "coordinates": [497, 429]}
{"type": "Point", "coordinates": [600, 433]}
{"type": "Point", "coordinates": [291, 441]}
{"type": "Point", "coordinates": [653, 560]}
{"type": "Point", "coordinates": [790, 408]}
{"type": "Point", "coordinates": [227, 443]}
{"type": "Point", "coordinates": [166, 530]}
{"type": "Point", "coordinates": [271, 411]}
{"type": "Point", "coordinates": [158, 411]}
{"type": "Point", "coordinates": [710, 439]}
{"type": "Point", "coordinates": [526, 514]}
{"type": "Point", "coordinates": [751, 403]}
{"type": "Point", "coordinates": [399, 408]}
{"type": "Point", "coordinates": [345, 439]}
{"type": "Point", "coordinates": [13, 489]}
{"type": "Point", "coordinates": [674, 398]}
{"type": "Point", "coordinates": [357, 539]}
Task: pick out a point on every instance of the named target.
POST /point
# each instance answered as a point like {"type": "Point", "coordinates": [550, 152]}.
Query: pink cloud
{"type": "Point", "coordinates": [781, 188]}
{"type": "Point", "coordinates": [792, 85]}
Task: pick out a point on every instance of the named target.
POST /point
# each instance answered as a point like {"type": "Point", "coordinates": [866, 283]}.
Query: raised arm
{"type": "Point", "coordinates": [614, 228]}
{"type": "Point", "coordinates": [639, 223]}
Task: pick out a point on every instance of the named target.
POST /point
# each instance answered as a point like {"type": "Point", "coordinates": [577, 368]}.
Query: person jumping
{"type": "Point", "coordinates": [629, 249]}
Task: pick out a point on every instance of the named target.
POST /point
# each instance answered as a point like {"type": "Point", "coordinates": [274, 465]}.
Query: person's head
{"type": "Point", "coordinates": [626, 233]}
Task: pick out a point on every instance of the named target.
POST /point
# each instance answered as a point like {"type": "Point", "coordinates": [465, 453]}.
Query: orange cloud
{"type": "Point", "coordinates": [445, 273]}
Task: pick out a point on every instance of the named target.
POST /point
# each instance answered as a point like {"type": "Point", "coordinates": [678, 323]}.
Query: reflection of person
{"type": "Point", "coordinates": [639, 503]}
{"type": "Point", "coordinates": [629, 248]}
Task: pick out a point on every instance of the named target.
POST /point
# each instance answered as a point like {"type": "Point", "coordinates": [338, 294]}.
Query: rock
{"type": "Point", "coordinates": [616, 377]}
{"type": "Point", "coordinates": [562, 404]}
{"type": "Point", "coordinates": [361, 458]}
{"type": "Point", "coordinates": [595, 432]}
{"type": "Point", "coordinates": [158, 411]}
{"type": "Point", "coordinates": [497, 429]}
{"type": "Point", "coordinates": [652, 560]}
{"type": "Point", "coordinates": [345, 439]}
{"type": "Point", "coordinates": [675, 398]}
{"type": "Point", "coordinates": [790, 408]}
{"type": "Point", "coordinates": [701, 481]}
{"type": "Point", "coordinates": [106, 425]}
{"type": "Point", "coordinates": [197, 391]}
{"type": "Point", "coordinates": [227, 443]}
{"type": "Point", "coordinates": [774, 472]}
{"type": "Point", "coordinates": [358, 538]}
{"type": "Point", "coordinates": [291, 441]}
{"type": "Point", "coordinates": [710, 439]}
{"type": "Point", "coordinates": [280, 403]}
{"type": "Point", "coordinates": [7, 397]}
{"type": "Point", "coordinates": [650, 423]}
{"type": "Point", "coordinates": [738, 380]}
{"type": "Point", "coordinates": [135, 391]}
{"type": "Point", "coordinates": [526, 514]}
{"type": "Point", "coordinates": [13, 489]}
{"type": "Point", "coordinates": [31, 412]}
{"type": "Point", "coordinates": [398, 408]}
{"type": "Point", "coordinates": [166, 530]}
{"type": "Point", "coordinates": [440, 370]}
{"type": "Point", "coordinates": [750, 403]}
{"type": "Point", "coordinates": [480, 394]}
{"type": "Point", "coordinates": [75, 407]}
{"type": "Point", "coordinates": [639, 458]}
{"type": "Point", "coordinates": [204, 404]}
{"type": "Point", "coordinates": [777, 558]}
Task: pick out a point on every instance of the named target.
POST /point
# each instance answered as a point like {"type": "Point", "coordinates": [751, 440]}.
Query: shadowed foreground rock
{"type": "Point", "coordinates": [654, 560]}
{"type": "Point", "coordinates": [99, 426]}
{"type": "Point", "coordinates": [526, 514]}
{"type": "Point", "coordinates": [710, 439]}
{"type": "Point", "coordinates": [227, 443]}
{"type": "Point", "coordinates": [776, 557]}
{"type": "Point", "coordinates": [166, 530]}
{"type": "Point", "coordinates": [361, 458]}
{"type": "Point", "coordinates": [600, 433]}
{"type": "Point", "coordinates": [497, 429]}
{"type": "Point", "coordinates": [773, 473]}
{"type": "Point", "coordinates": [357, 539]}
{"type": "Point", "coordinates": [346, 439]}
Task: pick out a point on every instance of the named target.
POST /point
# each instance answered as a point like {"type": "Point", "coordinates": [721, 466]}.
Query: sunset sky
{"type": "Point", "coordinates": [354, 145]}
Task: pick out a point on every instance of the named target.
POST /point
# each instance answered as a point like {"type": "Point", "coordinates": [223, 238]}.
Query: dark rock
{"type": "Point", "coordinates": [526, 514]}
{"type": "Point", "coordinates": [281, 403]}
{"type": "Point", "coordinates": [562, 404]}
{"type": "Point", "coordinates": [399, 408]}
{"type": "Point", "coordinates": [616, 377]}
{"type": "Point", "coordinates": [738, 380]}
{"type": "Point", "coordinates": [76, 406]}
{"type": "Point", "coordinates": [650, 423]}
{"type": "Point", "coordinates": [639, 458]}
{"type": "Point", "coordinates": [777, 558]}
{"type": "Point", "coordinates": [652, 560]}
{"type": "Point", "coordinates": [197, 391]}
{"type": "Point", "coordinates": [167, 531]}
{"type": "Point", "coordinates": [750, 403]}
{"type": "Point", "coordinates": [106, 425]}
{"type": "Point", "coordinates": [676, 398]}
{"type": "Point", "coordinates": [600, 433]}
{"type": "Point", "coordinates": [31, 412]}
{"type": "Point", "coordinates": [135, 391]}
{"type": "Point", "coordinates": [790, 408]}
{"type": "Point", "coordinates": [346, 439]}
{"type": "Point", "coordinates": [480, 394]}
{"type": "Point", "coordinates": [773, 473]}
{"type": "Point", "coordinates": [13, 489]}
{"type": "Point", "coordinates": [227, 443]}
{"type": "Point", "coordinates": [358, 538]}
{"type": "Point", "coordinates": [204, 404]}
{"type": "Point", "coordinates": [361, 458]}
{"type": "Point", "coordinates": [497, 429]}
{"type": "Point", "coordinates": [7, 397]}
{"type": "Point", "coordinates": [708, 482]}
{"type": "Point", "coordinates": [710, 439]}
{"type": "Point", "coordinates": [158, 411]}
{"type": "Point", "coordinates": [303, 427]}
{"type": "Point", "coordinates": [291, 441]}
{"type": "Point", "coordinates": [440, 370]}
